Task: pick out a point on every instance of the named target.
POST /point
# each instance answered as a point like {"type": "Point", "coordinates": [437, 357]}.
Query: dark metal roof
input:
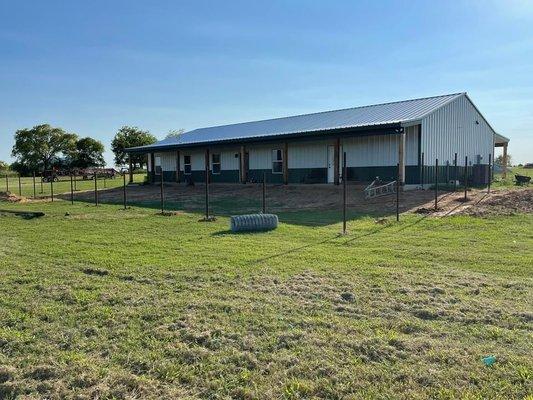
{"type": "Point", "coordinates": [386, 114]}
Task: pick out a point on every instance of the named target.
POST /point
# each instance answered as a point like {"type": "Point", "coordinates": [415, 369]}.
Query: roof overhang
{"type": "Point", "coordinates": [500, 140]}
{"type": "Point", "coordinates": [393, 128]}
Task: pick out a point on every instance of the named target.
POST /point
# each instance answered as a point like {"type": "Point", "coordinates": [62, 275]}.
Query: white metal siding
{"type": "Point", "coordinates": [453, 129]}
{"type": "Point", "coordinates": [228, 161]}
{"type": "Point", "coordinates": [308, 155]}
{"type": "Point", "coordinates": [381, 150]}
{"type": "Point", "coordinates": [260, 157]}
{"type": "Point", "coordinates": [168, 160]}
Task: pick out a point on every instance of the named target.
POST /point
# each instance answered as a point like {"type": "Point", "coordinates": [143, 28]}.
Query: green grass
{"type": "Point", "coordinates": [106, 303]}
{"type": "Point", "coordinates": [43, 189]}
{"type": "Point", "coordinates": [510, 180]}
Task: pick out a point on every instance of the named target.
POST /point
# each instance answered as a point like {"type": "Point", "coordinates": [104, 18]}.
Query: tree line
{"type": "Point", "coordinates": [45, 147]}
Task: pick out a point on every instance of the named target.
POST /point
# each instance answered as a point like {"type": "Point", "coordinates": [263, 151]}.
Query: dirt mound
{"type": "Point", "coordinates": [12, 198]}
{"type": "Point", "coordinates": [508, 202]}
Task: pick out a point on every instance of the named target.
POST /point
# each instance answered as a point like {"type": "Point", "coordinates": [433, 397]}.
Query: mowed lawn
{"type": "Point", "coordinates": [98, 302]}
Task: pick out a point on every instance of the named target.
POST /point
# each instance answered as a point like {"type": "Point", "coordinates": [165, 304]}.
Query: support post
{"type": "Point", "coordinates": [466, 176]}
{"type": "Point", "coordinates": [130, 170]}
{"type": "Point", "coordinates": [504, 174]}
{"type": "Point", "coordinates": [447, 174]}
{"type": "Point", "coordinates": [344, 176]}
{"type": "Point", "coordinates": [242, 164]}
{"type": "Point", "coordinates": [95, 189]}
{"type": "Point", "coordinates": [178, 167]}
{"type": "Point", "coordinates": [7, 183]}
{"type": "Point", "coordinates": [455, 172]}
{"type": "Point", "coordinates": [264, 192]}
{"type": "Point", "coordinates": [398, 192]}
{"type": "Point", "coordinates": [336, 161]}
{"type": "Point", "coordinates": [152, 166]}
{"type": "Point", "coordinates": [436, 182]}
{"type": "Point", "coordinates": [20, 186]}
{"type": "Point", "coordinates": [489, 173]}
{"type": "Point", "coordinates": [71, 189]}
{"type": "Point", "coordinates": [34, 190]}
{"type": "Point", "coordinates": [75, 182]}
{"type": "Point", "coordinates": [52, 186]}
{"type": "Point", "coordinates": [42, 177]}
{"type": "Point", "coordinates": [124, 189]}
{"type": "Point", "coordinates": [401, 157]}
{"type": "Point", "coordinates": [285, 163]}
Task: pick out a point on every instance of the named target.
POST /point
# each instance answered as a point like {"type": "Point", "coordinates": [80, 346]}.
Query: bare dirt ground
{"type": "Point", "coordinates": [228, 198]}
{"type": "Point", "coordinates": [12, 198]}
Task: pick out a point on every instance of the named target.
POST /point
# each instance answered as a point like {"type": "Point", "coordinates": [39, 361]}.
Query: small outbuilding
{"type": "Point", "coordinates": [399, 139]}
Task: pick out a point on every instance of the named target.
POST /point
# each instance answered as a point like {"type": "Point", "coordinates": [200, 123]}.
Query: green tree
{"type": "Point", "coordinates": [3, 166]}
{"type": "Point", "coordinates": [37, 147]}
{"type": "Point", "coordinates": [499, 160]}
{"type": "Point", "coordinates": [130, 136]}
{"type": "Point", "coordinates": [88, 152]}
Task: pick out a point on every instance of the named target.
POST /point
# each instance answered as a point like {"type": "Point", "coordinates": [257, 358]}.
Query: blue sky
{"type": "Point", "coordinates": [92, 66]}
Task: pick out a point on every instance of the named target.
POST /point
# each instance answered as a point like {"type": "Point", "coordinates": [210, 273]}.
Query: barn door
{"type": "Point", "coordinates": [331, 164]}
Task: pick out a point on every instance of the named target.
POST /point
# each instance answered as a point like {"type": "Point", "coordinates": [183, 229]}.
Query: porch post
{"type": "Point", "coordinates": [242, 163]}
{"type": "Point", "coordinates": [152, 168]}
{"type": "Point", "coordinates": [178, 167]}
{"type": "Point", "coordinates": [336, 159]}
{"type": "Point", "coordinates": [401, 158]}
{"type": "Point", "coordinates": [504, 174]}
{"type": "Point", "coordinates": [285, 163]}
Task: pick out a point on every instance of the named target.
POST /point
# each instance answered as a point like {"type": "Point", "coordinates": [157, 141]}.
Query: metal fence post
{"type": "Point", "coordinates": [264, 192]}
{"type": "Point", "coordinates": [7, 183]}
{"type": "Point", "coordinates": [162, 194]}
{"type": "Point", "coordinates": [95, 189]}
{"type": "Point", "coordinates": [42, 177]}
{"type": "Point", "coordinates": [20, 186]}
{"type": "Point", "coordinates": [455, 173]}
{"type": "Point", "coordinates": [52, 186]}
{"type": "Point", "coordinates": [436, 182]}
{"type": "Point", "coordinates": [422, 175]}
{"type": "Point", "coordinates": [490, 172]}
{"type": "Point", "coordinates": [398, 192]}
{"type": "Point", "coordinates": [71, 189]}
{"type": "Point", "coordinates": [124, 189]}
{"type": "Point", "coordinates": [466, 176]}
{"type": "Point", "coordinates": [207, 190]}
{"type": "Point", "coordinates": [34, 191]}
{"type": "Point", "coordinates": [344, 179]}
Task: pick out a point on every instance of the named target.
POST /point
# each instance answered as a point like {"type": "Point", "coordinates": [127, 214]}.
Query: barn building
{"type": "Point", "coordinates": [399, 139]}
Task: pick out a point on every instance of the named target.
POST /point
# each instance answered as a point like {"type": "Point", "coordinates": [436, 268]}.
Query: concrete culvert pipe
{"type": "Point", "coordinates": [254, 222]}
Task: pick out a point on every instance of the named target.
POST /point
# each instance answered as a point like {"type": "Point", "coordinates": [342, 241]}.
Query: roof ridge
{"type": "Point", "coordinates": [329, 111]}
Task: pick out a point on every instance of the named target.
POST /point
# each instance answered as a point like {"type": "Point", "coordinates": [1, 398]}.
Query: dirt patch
{"type": "Point", "coordinates": [12, 198]}
{"type": "Point", "coordinates": [507, 202]}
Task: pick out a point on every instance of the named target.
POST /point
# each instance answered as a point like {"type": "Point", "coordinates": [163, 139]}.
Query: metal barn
{"type": "Point", "coordinates": [399, 139]}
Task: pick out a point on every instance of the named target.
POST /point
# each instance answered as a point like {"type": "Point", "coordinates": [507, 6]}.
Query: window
{"type": "Point", "coordinates": [157, 165]}
{"type": "Point", "coordinates": [277, 161]}
{"type": "Point", "coordinates": [215, 163]}
{"type": "Point", "coordinates": [187, 165]}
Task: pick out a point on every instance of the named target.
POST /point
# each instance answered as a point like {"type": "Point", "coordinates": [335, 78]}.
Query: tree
{"type": "Point", "coordinates": [36, 148]}
{"type": "Point", "coordinates": [499, 160]}
{"type": "Point", "coordinates": [174, 133]}
{"type": "Point", "coordinates": [3, 166]}
{"type": "Point", "coordinates": [130, 136]}
{"type": "Point", "coordinates": [87, 153]}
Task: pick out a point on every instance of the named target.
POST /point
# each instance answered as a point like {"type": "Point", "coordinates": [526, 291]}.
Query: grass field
{"type": "Point", "coordinates": [44, 189]}
{"type": "Point", "coordinates": [110, 303]}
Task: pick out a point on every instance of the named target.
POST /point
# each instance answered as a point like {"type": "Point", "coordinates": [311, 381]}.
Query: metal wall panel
{"type": "Point", "coordinates": [168, 160]}
{"type": "Point", "coordinates": [381, 150]}
{"type": "Point", "coordinates": [308, 154]}
{"type": "Point", "coordinates": [456, 128]}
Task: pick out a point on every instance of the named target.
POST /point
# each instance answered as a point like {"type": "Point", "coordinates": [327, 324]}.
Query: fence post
{"type": "Point", "coordinates": [455, 173]}
{"type": "Point", "coordinates": [20, 187]}
{"type": "Point", "coordinates": [71, 189]}
{"type": "Point", "coordinates": [436, 182]}
{"type": "Point", "coordinates": [42, 177]}
{"type": "Point", "coordinates": [52, 186]}
{"type": "Point", "coordinates": [207, 189]}
{"type": "Point", "coordinates": [422, 172]}
{"type": "Point", "coordinates": [447, 174]}
{"type": "Point", "coordinates": [264, 192]}
{"type": "Point", "coordinates": [124, 189]}
{"type": "Point", "coordinates": [162, 194]}
{"type": "Point", "coordinates": [75, 184]}
{"type": "Point", "coordinates": [344, 179]}
{"type": "Point", "coordinates": [398, 192]}
{"type": "Point", "coordinates": [95, 189]}
{"type": "Point", "coordinates": [7, 183]}
{"type": "Point", "coordinates": [466, 176]}
{"type": "Point", "coordinates": [490, 172]}
{"type": "Point", "coordinates": [34, 191]}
